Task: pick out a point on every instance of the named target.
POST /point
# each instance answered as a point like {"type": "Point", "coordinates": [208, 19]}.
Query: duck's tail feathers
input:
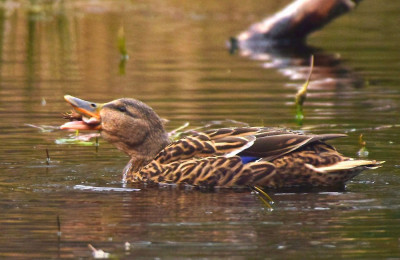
{"type": "Point", "coordinates": [347, 165]}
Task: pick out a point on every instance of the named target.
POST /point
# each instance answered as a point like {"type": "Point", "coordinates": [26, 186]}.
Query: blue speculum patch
{"type": "Point", "coordinates": [247, 159]}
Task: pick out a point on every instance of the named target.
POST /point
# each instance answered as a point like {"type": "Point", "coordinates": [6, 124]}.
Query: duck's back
{"type": "Point", "coordinates": [267, 157]}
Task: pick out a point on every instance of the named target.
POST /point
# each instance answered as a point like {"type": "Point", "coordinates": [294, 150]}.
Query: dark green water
{"type": "Point", "coordinates": [180, 66]}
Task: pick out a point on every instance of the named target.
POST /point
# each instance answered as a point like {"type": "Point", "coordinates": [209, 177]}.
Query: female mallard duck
{"type": "Point", "coordinates": [227, 157]}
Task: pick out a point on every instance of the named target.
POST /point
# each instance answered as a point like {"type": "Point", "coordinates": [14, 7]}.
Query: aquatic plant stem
{"type": "Point", "coordinates": [301, 95]}
{"type": "Point", "coordinates": [262, 195]}
{"type": "Point", "coordinates": [47, 157]}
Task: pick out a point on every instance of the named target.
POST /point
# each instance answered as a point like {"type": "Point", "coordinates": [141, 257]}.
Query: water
{"type": "Point", "coordinates": [180, 66]}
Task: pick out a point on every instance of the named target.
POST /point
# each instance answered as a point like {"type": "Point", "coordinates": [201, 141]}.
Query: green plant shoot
{"type": "Point", "coordinates": [301, 95]}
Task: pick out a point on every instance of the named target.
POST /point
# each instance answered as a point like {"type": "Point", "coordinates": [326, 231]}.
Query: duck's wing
{"type": "Point", "coordinates": [250, 143]}
{"type": "Point", "coordinates": [274, 146]}
{"type": "Point", "coordinates": [270, 143]}
{"type": "Point", "coordinates": [207, 161]}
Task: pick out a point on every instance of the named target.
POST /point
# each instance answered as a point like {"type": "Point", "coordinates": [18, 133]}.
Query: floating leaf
{"type": "Point", "coordinates": [84, 139]}
{"type": "Point", "coordinates": [74, 141]}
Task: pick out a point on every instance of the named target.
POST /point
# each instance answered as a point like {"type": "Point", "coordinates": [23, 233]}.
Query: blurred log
{"type": "Point", "coordinates": [295, 22]}
{"type": "Point", "coordinates": [278, 43]}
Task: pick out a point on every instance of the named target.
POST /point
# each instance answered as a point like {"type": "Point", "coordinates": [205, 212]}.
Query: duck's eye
{"type": "Point", "coordinates": [121, 109]}
{"type": "Point", "coordinates": [93, 105]}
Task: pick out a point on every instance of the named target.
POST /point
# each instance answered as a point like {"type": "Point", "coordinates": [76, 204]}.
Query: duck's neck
{"type": "Point", "coordinates": [139, 160]}
{"type": "Point", "coordinates": [146, 152]}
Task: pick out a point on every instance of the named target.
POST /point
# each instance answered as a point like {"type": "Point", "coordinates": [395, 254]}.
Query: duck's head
{"type": "Point", "coordinates": [129, 124]}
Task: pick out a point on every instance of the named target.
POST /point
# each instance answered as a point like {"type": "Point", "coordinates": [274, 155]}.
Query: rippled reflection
{"type": "Point", "coordinates": [179, 65]}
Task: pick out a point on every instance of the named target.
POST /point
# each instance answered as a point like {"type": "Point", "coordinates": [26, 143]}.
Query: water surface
{"type": "Point", "coordinates": [179, 64]}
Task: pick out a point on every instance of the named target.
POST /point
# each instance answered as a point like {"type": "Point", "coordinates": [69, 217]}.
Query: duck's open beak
{"type": "Point", "coordinates": [90, 114]}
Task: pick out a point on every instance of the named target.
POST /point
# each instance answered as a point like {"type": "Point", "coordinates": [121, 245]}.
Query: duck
{"type": "Point", "coordinates": [266, 157]}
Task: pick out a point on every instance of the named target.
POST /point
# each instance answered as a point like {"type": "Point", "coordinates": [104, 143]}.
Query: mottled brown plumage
{"type": "Point", "coordinates": [227, 157]}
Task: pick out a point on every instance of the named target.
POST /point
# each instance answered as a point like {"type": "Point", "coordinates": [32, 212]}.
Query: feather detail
{"type": "Point", "coordinates": [238, 132]}
{"type": "Point", "coordinates": [209, 172]}
{"type": "Point", "coordinates": [287, 159]}
{"type": "Point", "coordinates": [271, 147]}
{"type": "Point", "coordinates": [272, 157]}
{"type": "Point", "coordinates": [186, 148]}
{"type": "Point", "coordinates": [345, 165]}
{"type": "Point", "coordinates": [234, 145]}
